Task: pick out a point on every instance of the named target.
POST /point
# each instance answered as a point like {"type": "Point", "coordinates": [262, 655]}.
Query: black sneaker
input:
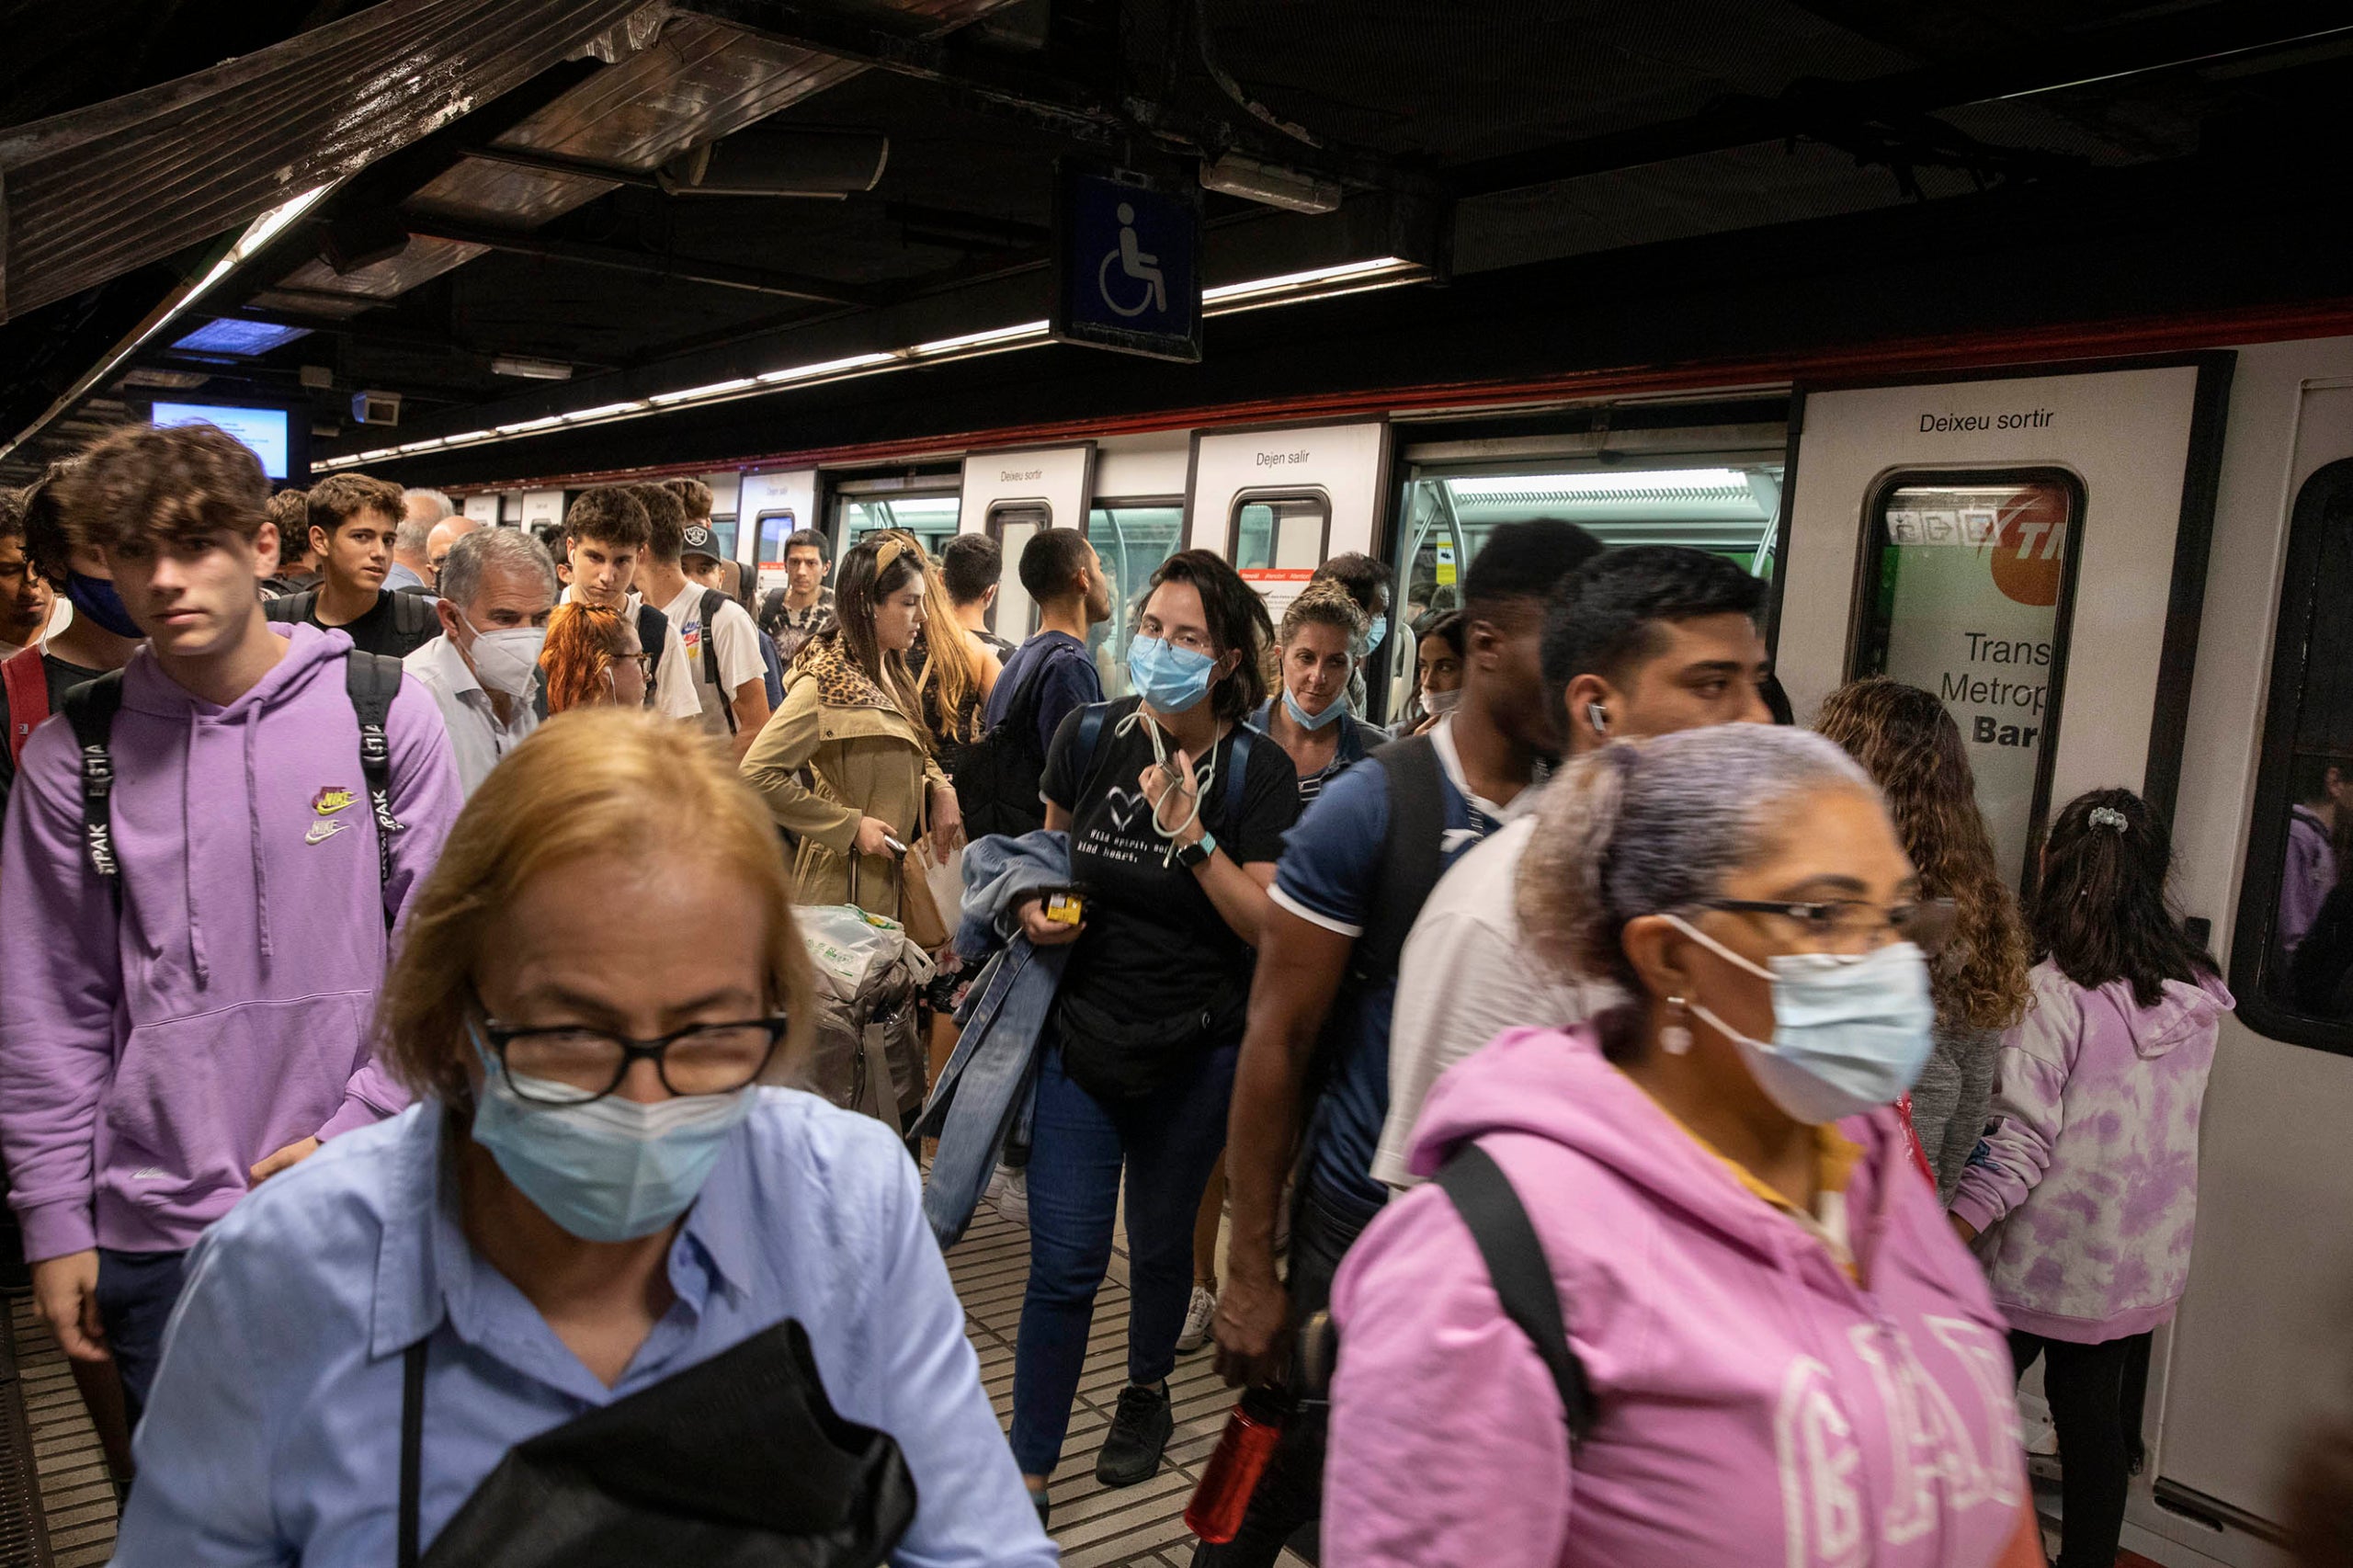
{"type": "Point", "coordinates": [1139, 1432]}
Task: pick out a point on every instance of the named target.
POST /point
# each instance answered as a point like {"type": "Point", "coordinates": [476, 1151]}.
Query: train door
{"type": "Point", "coordinates": [1010, 496]}
{"type": "Point", "coordinates": [543, 506]}
{"type": "Point", "coordinates": [768, 508]}
{"type": "Point", "coordinates": [1136, 522]}
{"type": "Point", "coordinates": [2258, 1351]}
{"type": "Point", "coordinates": [1625, 475]}
{"type": "Point", "coordinates": [923, 502]}
{"type": "Point", "coordinates": [2032, 549]}
{"type": "Point", "coordinates": [726, 494]}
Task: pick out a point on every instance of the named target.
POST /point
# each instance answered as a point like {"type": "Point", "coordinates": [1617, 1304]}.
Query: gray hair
{"type": "Point", "coordinates": [411, 535]}
{"type": "Point", "coordinates": [475, 557]}
{"type": "Point", "coordinates": [1649, 827]}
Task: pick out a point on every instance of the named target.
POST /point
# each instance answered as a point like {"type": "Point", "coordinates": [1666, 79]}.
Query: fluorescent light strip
{"type": "Point", "coordinates": [1382, 272]}
{"type": "Point", "coordinates": [421, 446]}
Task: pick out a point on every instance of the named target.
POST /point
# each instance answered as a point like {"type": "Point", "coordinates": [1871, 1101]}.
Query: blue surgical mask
{"type": "Point", "coordinates": [608, 1169]}
{"type": "Point", "coordinates": [1170, 679]}
{"type": "Point", "coordinates": [96, 598]}
{"type": "Point", "coordinates": [1849, 1033]}
{"type": "Point", "coordinates": [1373, 633]}
{"type": "Point", "coordinates": [1306, 720]}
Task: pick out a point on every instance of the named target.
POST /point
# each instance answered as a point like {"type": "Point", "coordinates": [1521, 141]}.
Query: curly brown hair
{"type": "Point", "coordinates": [144, 482]}
{"type": "Point", "coordinates": [1911, 748]}
{"type": "Point", "coordinates": [583, 641]}
{"type": "Point", "coordinates": [1327, 603]}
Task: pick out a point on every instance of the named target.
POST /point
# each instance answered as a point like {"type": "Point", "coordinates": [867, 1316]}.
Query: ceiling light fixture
{"type": "Point", "coordinates": [826, 368]}
{"type": "Point", "coordinates": [607, 412]}
{"type": "Point", "coordinates": [528, 426]}
{"type": "Point", "coordinates": [1347, 278]}
{"type": "Point", "coordinates": [529, 368]}
{"type": "Point", "coordinates": [994, 339]}
{"type": "Point", "coordinates": [1271, 185]}
{"type": "Point", "coordinates": [699, 394]}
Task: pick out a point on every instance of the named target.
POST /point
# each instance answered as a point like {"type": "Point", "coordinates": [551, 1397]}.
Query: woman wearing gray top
{"type": "Point", "coordinates": [1911, 748]}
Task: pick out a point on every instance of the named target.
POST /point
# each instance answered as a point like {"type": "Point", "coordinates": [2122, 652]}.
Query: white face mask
{"type": "Point", "coordinates": [506, 659]}
{"type": "Point", "coordinates": [1441, 703]}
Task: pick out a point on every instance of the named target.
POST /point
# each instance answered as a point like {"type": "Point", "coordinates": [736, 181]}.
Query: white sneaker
{"type": "Point", "coordinates": [1010, 1192]}
{"type": "Point", "coordinates": [1197, 1316]}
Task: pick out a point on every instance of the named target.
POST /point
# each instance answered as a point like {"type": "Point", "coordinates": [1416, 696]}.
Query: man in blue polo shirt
{"type": "Point", "coordinates": [1353, 874]}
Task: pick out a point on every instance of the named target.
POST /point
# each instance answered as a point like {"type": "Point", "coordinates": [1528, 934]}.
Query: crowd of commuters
{"type": "Point", "coordinates": [393, 1113]}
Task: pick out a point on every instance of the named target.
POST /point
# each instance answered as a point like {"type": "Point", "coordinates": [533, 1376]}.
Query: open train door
{"type": "Point", "coordinates": [2032, 547]}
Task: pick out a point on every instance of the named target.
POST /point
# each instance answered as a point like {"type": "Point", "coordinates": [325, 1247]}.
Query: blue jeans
{"type": "Point", "coordinates": [136, 1293]}
{"type": "Point", "coordinates": [1168, 1144]}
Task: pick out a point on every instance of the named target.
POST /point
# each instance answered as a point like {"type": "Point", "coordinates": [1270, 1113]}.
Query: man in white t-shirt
{"type": "Point", "coordinates": [606, 532]}
{"type": "Point", "coordinates": [1643, 640]}
{"type": "Point", "coordinates": [723, 643]}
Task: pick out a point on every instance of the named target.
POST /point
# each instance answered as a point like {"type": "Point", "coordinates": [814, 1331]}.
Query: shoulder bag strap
{"type": "Point", "coordinates": [25, 681]}
{"type": "Point", "coordinates": [1411, 854]}
{"type": "Point", "coordinates": [1508, 1243]}
{"type": "Point", "coordinates": [412, 1449]}
{"type": "Point", "coordinates": [90, 709]}
{"type": "Point", "coordinates": [373, 680]}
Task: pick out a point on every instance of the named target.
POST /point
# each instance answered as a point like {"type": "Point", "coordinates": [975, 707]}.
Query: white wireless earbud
{"type": "Point", "coordinates": [1599, 717]}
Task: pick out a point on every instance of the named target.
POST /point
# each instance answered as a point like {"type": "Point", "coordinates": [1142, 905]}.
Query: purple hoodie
{"type": "Point", "coordinates": [145, 1064]}
{"type": "Point", "coordinates": [1755, 1404]}
{"type": "Point", "coordinates": [2085, 1185]}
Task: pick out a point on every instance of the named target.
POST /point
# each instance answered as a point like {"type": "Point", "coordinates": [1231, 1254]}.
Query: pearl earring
{"type": "Point", "coordinates": [1675, 1038]}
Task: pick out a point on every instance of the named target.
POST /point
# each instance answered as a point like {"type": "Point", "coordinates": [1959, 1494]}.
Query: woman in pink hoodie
{"type": "Point", "coordinates": [1792, 1360]}
{"type": "Point", "coordinates": [2085, 1188]}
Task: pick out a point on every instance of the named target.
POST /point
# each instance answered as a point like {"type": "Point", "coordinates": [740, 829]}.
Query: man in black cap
{"type": "Point", "coordinates": [721, 641]}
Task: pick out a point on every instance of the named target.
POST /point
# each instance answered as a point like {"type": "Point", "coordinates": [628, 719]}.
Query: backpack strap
{"type": "Point", "coordinates": [293, 608]}
{"type": "Point", "coordinates": [654, 637]}
{"type": "Point", "coordinates": [1244, 737]}
{"type": "Point", "coordinates": [1508, 1243]}
{"type": "Point", "coordinates": [1412, 855]}
{"type": "Point", "coordinates": [413, 612]}
{"type": "Point", "coordinates": [26, 682]}
{"type": "Point", "coordinates": [373, 680]}
{"type": "Point", "coordinates": [90, 709]}
{"type": "Point", "coordinates": [712, 601]}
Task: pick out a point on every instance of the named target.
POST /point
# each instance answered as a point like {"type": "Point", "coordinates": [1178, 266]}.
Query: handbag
{"type": "Point", "coordinates": [739, 1461]}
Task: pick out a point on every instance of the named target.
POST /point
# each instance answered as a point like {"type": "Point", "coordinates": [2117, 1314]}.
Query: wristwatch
{"type": "Point", "coordinates": [1192, 854]}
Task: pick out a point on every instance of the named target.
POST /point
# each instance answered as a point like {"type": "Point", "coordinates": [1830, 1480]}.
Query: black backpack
{"type": "Point", "coordinates": [1507, 1243]}
{"type": "Point", "coordinates": [371, 680]}
{"type": "Point", "coordinates": [997, 777]}
{"type": "Point", "coordinates": [712, 601]}
{"type": "Point", "coordinates": [414, 617]}
{"type": "Point", "coordinates": [652, 637]}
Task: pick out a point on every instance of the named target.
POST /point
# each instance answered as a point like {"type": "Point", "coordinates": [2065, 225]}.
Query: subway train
{"type": "Point", "coordinates": [2126, 561]}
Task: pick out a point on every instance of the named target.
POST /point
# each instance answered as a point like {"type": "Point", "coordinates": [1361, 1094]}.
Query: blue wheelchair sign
{"type": "Point", "coordinates": [1126, 266]}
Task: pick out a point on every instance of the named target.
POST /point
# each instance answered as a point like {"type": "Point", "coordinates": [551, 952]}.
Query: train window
{"type": "Point", "coordinates": [2292, 960]}
{"type": "Point", "coordinates": [1965, 583]}
{"type": "Point", "coordinates": [723, 534]}
{"type": "Point", "coordinates": [1132, 537]}
{"type": "Point", "coordinates": [931, 517]}
{"type": "Point", "coordinates": [775, 528]}
{"type": "Point", "coordinates": [1449, 516]}
{"type": "Point", "coordinates": [1280, 531]}
{"type": "Point", "coordinates": [1013, 524]}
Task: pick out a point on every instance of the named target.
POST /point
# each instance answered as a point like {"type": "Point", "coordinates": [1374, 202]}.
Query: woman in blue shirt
{"type": "Point", "coordinates": [591, 1199]}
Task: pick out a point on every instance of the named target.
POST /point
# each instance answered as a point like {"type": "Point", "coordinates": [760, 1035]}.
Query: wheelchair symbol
{"type": "Point", "coordinates": [1135, 264]}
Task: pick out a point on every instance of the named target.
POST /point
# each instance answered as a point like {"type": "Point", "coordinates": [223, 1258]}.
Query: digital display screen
{"type": "Point", "coordinates": [263, 429]}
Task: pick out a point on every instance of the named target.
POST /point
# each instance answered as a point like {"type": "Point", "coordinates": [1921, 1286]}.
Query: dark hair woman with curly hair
{"type": "Point", "coordinates": [1911, 748]}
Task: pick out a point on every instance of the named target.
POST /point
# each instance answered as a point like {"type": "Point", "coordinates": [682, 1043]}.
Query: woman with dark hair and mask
{"type": "Point", "coordinates": [1310, 716]}
{"type": "Point", "coordinates": [1176, 808]}
{"type": "Point", "coordinates": [1771, 1333]}
{"type": "Point", "coordinates": [853, 720]}
{"type": "Point", "coordinates": [601, 1294]}
{"type": "Point", "coordinates": [1912, 749]}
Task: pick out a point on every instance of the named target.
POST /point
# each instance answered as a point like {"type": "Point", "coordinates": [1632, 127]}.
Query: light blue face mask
{"type": "Point", "coordinates": [1168, 677]}
{"type": "Point", "coordinates": [609, 1169]}
{"type": "Point", "coordinates": [1302, 717]}
{"type": "Point", "coordinates": [1373, 633]}
{"type": "Point", "coordinates": [1849, 1033]}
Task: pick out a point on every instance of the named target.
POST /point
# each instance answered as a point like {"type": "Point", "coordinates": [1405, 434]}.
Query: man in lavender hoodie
{"type": "Point", "coordinates": [161, 1056]}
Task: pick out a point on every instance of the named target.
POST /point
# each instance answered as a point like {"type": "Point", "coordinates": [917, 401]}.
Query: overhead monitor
{"type": "Point", "coordinates": [261, 429]}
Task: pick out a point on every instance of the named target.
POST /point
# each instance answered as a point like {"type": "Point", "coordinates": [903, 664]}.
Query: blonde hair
{"type": "Point", "coordinates": [1326, 603]}
{"type": "Point", "coordinates": [581, 782]}
{"type": "Point", "coordinates": [948, 685]}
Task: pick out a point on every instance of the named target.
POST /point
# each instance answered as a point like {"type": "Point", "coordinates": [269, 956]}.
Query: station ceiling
{"type": "Point", "coordinates": [466, 190]}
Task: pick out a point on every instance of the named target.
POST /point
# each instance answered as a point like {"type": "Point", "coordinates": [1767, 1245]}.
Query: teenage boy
{"type": "Point", "coordinates": [791, 613]}
{"type": "Point", "coordinates": [352, 520]}
{"type": "Point", "coordinates": [719, 643]}
{"type": "Point", "coordinates": [298, 563]}
{"type": "Point", "coordinates": [968, 568]}
{"type": "Point", "coordinates": [606, 532]}
{"type": "Point", "coordinates": [213, 847]}
{"type": "Point", "coordinates": [101, 637]}
{"type": "Point", "coordinates": [1354, 871]}
{"type": "Point", "coordinates": [1643, 641]}
{"type": "Point", "coordinates": [497, 588]}
{"type": "Point", "coordinates": [25, 598]}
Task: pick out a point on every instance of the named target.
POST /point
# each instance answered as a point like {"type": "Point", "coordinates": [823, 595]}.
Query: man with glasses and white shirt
{"type": "Point", "coordinates": [497, 586]}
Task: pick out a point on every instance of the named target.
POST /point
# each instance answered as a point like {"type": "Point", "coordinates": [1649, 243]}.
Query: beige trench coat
{"type": "Point", "coordinates": [866, 761]}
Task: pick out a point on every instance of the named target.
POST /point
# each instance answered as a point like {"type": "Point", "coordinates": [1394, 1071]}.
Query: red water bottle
{"type": "Point", "coordinates": [1232, 1475]}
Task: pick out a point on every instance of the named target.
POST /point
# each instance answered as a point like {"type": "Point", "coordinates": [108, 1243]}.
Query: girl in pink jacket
{"type": "Point", "coordinates": [1792, 1359]}
{"type": "Point", "coordinates": [2084, 1186]}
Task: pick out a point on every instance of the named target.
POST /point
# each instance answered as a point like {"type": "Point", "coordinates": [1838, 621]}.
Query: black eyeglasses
{"type": "Point", "coordinates": [1846, 925]}
{"type": "Point", "coordinates": [568, 1064]}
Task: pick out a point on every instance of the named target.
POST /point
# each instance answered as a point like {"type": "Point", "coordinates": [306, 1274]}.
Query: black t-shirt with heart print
{"type": "Point", "coordinates": [1156, 956]}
